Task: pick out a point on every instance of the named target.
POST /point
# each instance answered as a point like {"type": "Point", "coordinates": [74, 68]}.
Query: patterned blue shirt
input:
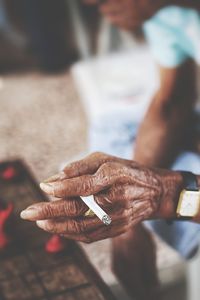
{"type": "Point", "coordinates": [173, 34]}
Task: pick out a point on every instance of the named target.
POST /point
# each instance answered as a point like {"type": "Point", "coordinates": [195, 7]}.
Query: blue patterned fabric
{"type": "Point", "coordinates": [174, 35]}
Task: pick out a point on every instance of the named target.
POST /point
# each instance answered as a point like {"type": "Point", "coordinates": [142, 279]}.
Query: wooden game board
{"type": "Point", "coordinates": [27, 272]}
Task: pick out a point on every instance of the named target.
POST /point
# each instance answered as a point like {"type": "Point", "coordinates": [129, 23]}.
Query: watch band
{"type": "Point", "coordinates": [190, 184]}
{"type": "Point", "coordinates": [189, 181]}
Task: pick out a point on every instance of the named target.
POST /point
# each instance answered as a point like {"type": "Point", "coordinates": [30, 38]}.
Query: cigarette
{"type": "Point", "coordinates": [97, 210]}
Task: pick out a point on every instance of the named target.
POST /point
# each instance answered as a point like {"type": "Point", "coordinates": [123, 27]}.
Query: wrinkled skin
{"type": "Point", "coordinates": [128, 192]}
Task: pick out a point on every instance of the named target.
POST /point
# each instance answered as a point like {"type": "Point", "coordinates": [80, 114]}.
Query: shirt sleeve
{"type": "Point", "coordinates": [164, 42]}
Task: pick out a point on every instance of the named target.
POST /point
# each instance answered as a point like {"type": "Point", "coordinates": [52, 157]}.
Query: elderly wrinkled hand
{"type": "Point", "coordinates": [128, 192]}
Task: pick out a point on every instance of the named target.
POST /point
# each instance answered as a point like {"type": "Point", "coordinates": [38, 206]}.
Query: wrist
{"type": "Point", "coordinates": [172, 185]}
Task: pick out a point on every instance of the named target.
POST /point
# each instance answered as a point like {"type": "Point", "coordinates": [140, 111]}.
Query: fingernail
{"type": "Point", "coordinates": [46, 187]}
{"type": "Point", "coordinates": [54, 177]}
{"type": "Point", "coordinates": [62, 175]}
{"type": "Point", "coordinates": [45, 225]}
{"type": "Point", "coordinates": [29, 213]}
{"type": "Point", "coordinates": [41, 224]}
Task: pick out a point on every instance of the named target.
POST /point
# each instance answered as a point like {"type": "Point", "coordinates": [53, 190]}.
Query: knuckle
{"type": "Point", "coordinates": [59, 189]}
{"type": "Point", "coordinates": [122, 191]}
{"type": "Point", "coordinates": [124, 214]}
{"type": "Point", "coordinates": [99, 155]}
{"type": "Point", "coordinates": [71, 167]}
{"type": "Point", "coordinates": [106, 170]}
{"type": "Point", "coordinates": [73, 208]}
{"type": "Point", "coordinates": [95, 154]}
{"type": "Point", "coordinates": [103, 200]}
{"type": "Point", "coordinates": [112, 193]}
{"type": "Point", "coordinates": [108, 165]}
{"type": "Point", "coordinates": [86, 185]}
{"type": "Point", "coordinates": [78, 207]}
{"type": "Point", "coordinates": [79, 227]}
{"type": "Point", "coordinates": [47, 210]}
{"type": "Point", "coordinates": [68, 227]}
{"type": "Point", "coordinates": [126, 193]}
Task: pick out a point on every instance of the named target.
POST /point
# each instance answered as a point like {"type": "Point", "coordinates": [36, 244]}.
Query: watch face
{"type": "Point", "coordinates": [189, 203]}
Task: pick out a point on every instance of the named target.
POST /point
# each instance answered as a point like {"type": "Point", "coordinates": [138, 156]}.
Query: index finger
{"type": "Point", "coordinates": [86, 185]}
{"type": "Point", "coordinates": [59, 208]}
{"type": "Point", "coordinates": [79, 186]}
{"type": "Point", "coordinates": [88, 165]}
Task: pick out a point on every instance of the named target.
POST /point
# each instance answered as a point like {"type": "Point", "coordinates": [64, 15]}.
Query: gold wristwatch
{"type": "Point", "coordinates": [189, 201]}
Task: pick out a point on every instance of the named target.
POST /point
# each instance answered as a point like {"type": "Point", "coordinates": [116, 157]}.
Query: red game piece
{"type": "Point", "coordinates": [55, 244]}
{"type": "Point", "coordinates": [4, 216]}
{"type": "Point", "coordinates": [9, 173]}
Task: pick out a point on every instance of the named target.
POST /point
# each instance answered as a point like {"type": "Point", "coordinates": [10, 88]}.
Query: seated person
{"type": "Point", "coordinates": [172, 29]}
{"type": "Point", "coordinates": [173, 35]}
{"type": "Point", "coordinates": [162, 133]}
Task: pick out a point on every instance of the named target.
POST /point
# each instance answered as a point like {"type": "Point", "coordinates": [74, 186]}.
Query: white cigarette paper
{"type": "Point", "coordinates": [97, 210]}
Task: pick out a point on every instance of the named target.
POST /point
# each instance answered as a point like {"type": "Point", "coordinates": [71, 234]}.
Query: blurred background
{"type": "Point", "coordinates": [71, 83]}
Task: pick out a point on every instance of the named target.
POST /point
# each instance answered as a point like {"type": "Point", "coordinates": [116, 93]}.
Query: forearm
{"type": "Point", "coordinates": [162, 133]}
{"type": "Point", "coordinates": [163, 130]}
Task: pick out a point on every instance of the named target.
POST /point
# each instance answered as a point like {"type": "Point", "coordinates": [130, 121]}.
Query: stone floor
{"type": "Point", "coordinates": [41, 120]}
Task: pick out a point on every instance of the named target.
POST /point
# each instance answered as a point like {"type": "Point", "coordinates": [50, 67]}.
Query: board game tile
{"type": "Point", "coordinates": [62, 278]}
